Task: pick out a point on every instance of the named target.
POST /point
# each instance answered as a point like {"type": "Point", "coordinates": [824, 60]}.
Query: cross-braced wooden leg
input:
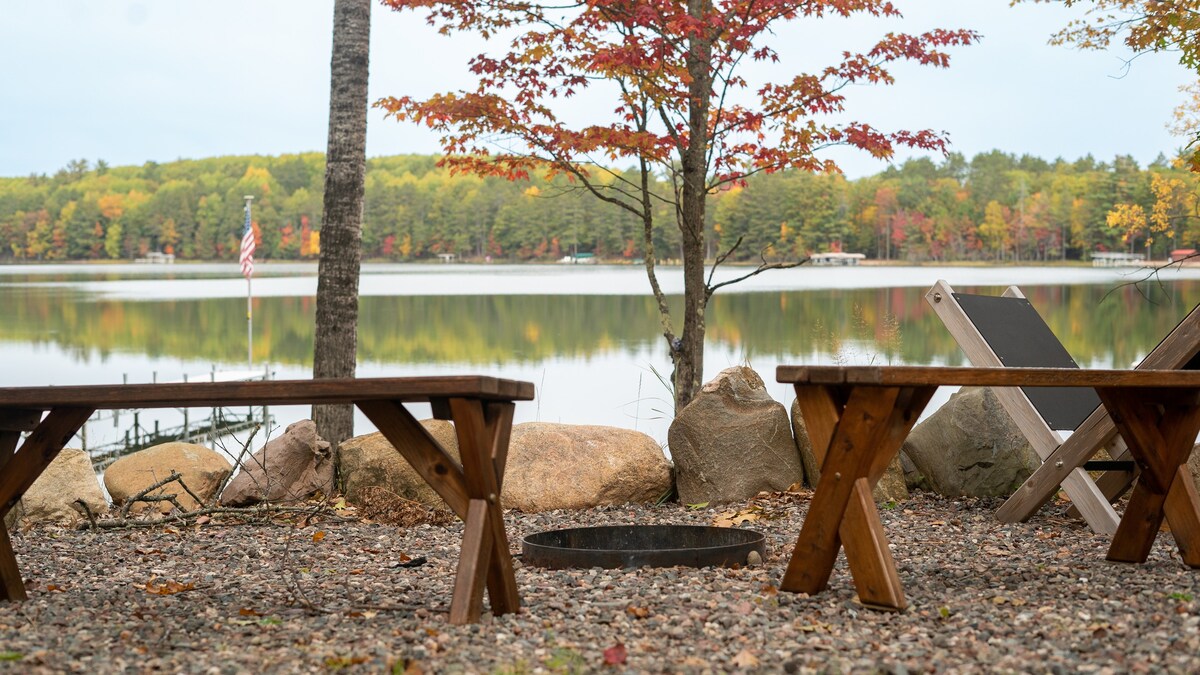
{"type": "Point", "coordinates": [1160, 428]}
{"type": "Point", "coordinates": [483, 432]}
{"type": "Point", "coordinates": [21, 469]}
{"type": "Point", "coordinates": [861, 532]}
{"type": "Point", "coordinates": [861, 438]}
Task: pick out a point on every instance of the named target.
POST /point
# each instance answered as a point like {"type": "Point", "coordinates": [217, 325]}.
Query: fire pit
{"type": "Point", "coordinates": [641, 546]}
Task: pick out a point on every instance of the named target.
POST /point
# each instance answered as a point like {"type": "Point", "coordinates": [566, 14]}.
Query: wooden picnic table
{"type": "Point", "coordinates": [480, 407]}
{"type": "Point", "coordinates": [858, 417]}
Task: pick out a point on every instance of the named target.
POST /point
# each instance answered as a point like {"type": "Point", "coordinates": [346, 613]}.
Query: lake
{"type": "Point", "coordinates": [587, 336]}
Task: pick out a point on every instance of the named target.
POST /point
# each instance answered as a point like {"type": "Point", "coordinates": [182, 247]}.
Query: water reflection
{"type": "Point", "coordinates": [1099, 325]}
{"type": "Point", "coordinates": [593, 357]}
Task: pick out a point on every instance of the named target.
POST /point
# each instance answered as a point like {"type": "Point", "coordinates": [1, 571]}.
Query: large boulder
{"type": "Point", "coordinates": [564, 466]}
{"type": "Point", "coordinates": [202, 470]}
{"type": "Point", "coordinates": [369, 462]}
{"type": "Point", "coordinates": [890, 488]}
{"type": "Point", "coordinates": [290, 468]}
{"type": "Point", "coordinates": [53, 497]}
{"type": "Point", "coordinates": [733, 441]}
{"type": "Point", "coordinates": [971, 447]}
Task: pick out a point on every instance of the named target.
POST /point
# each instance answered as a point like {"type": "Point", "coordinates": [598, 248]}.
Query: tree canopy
{"type": "Point", "coordinates": [920, 210]}
{"type": "Point", "coordinates": [673, 98]}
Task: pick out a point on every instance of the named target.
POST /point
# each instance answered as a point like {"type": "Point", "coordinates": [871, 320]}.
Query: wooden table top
{"type": "Point", "coordinates": [270, 392]}
{"type": "Point", "coordinates": [908, 376]}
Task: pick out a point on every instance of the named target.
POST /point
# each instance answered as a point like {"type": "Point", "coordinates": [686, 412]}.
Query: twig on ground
{"type": "Point", "coordinates": [237, 463]}
{"type": "Point", "coordinates": [193, 495]}
{"type": "Point", "coordinates": [87, 511]}
{"type": "Point", "coordinates": [141, 496]}
{"type": "Point", "coordinates": [258, 511]}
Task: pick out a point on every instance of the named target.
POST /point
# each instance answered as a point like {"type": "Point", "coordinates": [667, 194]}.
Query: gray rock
{"type": "Point", "coordinates": [289, 468]}
{"type": "Point", "coordinates": [890, 488]}
{"type": "Point", "coordinates": [971, 447]}
{"type": "Point", "coordinates": [370, 461]}
{"type": "Point", "coordinates": [52, 497]}
{"type": "Point", "coordinates": [733, 441]}
{"type": "Point", "coordinates": [566, 466]}
{"type": "Point", "coordinates": [202, 469]}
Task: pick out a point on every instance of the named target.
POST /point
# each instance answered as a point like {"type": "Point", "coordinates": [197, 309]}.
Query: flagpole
{"type": "Point", "coordinates": [249, 302]}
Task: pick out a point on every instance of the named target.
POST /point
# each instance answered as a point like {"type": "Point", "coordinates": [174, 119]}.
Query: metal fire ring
{"type": "Point", "coordinates": [614, 546]}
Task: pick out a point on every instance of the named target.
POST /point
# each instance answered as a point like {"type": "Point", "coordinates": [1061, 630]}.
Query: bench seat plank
{"type": "Point", "coordinates": [271, 392]}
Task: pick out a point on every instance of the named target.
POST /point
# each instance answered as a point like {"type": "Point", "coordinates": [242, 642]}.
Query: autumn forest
{"type": "Point", "coordinates": [991, 207]}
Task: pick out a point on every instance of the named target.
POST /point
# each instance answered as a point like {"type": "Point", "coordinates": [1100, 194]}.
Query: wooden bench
{"type": "Point", "coordinates": [858, 417]}
{"type": "Point", "coordinates": [480, 407]}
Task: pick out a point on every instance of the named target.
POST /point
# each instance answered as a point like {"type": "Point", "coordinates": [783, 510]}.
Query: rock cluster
{"type": "Point", "coordinates": [731, 443]}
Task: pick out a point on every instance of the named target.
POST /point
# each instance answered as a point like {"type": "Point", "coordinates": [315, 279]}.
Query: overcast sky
{"type": "Point", "coordinates": [129, 81]}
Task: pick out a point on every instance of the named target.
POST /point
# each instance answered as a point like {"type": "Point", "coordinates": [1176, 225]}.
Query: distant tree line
{"type": "Point", "coordinates": [995, 206]}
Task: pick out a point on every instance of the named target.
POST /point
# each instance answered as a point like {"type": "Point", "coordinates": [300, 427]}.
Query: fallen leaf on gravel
{"type": "Point", "coordinates": [318, 535]}
{"type": "Point", "coordinates": [54, 588]}
{"type": "Point", "coordinates": [745, 659]}
{"type": "Point", "coordinates": [246, 611]}
{"type": "Point", "coordinates": [638, 612]}
{"type": "Point", "coordinates": [615, 655]}
{"type": "Point", "coordinates": [202, 520]}
{"type": "Point", "coordinates": [168, 588]}
{"type": "Point", "coordinates": [11, 656]}
{"type": "Point", "coordinates": [695, 662]}
{"type": "Point", "coordinates": [734, 518]}
{"type": "Point", "coordinates": [768, 589]}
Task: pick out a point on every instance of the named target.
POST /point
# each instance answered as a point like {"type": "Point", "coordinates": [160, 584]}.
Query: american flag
{"type": "Point", "coordinates": [247, 258]}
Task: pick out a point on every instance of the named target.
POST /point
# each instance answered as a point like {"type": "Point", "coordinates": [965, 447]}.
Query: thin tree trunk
{"type": "Point", "coordinates": [688, 352]}
{"type": "Point", "coordinates": [336, 340]}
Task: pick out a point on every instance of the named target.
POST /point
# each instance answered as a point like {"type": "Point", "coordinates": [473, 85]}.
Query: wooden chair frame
{"type": "Point", "coordinates": [1063, 460]}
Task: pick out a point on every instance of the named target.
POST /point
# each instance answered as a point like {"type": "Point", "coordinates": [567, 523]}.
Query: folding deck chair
{"type": "Point", "coordinates": [997, 331]}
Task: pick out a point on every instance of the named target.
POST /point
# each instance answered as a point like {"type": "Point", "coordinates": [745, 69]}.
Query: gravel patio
{"type": "Point", "coordinates": [296, 596]}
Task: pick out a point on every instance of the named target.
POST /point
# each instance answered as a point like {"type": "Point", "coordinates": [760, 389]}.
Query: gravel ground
{"type": "Point", "coordinates": [984, 597]}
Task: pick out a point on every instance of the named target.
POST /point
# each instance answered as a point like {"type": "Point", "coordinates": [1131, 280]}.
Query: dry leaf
{"type": "Point", "coordinates": [745, 659]}
{"type": "Point", "coordinates": [168, 588]}
{"type": "Point", "coordinates": [54, 588]}
{"type": "Point", "coordinates": [638, 612]}
{"type": "Point", "coordinates": [246, 611]}
{"type": "Point", "coordinates": [318, 535]}
{"type": "Point", "coordinates": [615, 655]}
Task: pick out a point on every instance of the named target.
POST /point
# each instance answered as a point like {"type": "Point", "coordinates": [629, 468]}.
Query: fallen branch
{"type": "Point", "coordinates": [141, 496]}
{"type": "Point", "coordinates": [258, 511]}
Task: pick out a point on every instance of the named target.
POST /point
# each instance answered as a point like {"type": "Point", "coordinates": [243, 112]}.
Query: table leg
{"type": "Point", "coordinates": [20, 469]}
{"type": "Point", "coordinates": [1160, 427]}
{"type": "Point", "coordinates": [861, 437]}
{"type": "Point", "coordinates": [483, 432]}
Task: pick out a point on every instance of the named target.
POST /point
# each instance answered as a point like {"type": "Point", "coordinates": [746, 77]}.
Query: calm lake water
{"type": "Point", "coordinates": [588, 337]}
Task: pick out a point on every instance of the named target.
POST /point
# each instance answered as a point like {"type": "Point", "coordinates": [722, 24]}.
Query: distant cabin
{"type": "Point", "coordinates": [156, 258]}
{"type": "Point", "coordinates": [1182, 254]}
{"type": "Point", "coordinates": [1117, 259]}
{"type": "Point", "coordinates": [836, 258]}
{"type": "Point", "coordinates": [579, 259]}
